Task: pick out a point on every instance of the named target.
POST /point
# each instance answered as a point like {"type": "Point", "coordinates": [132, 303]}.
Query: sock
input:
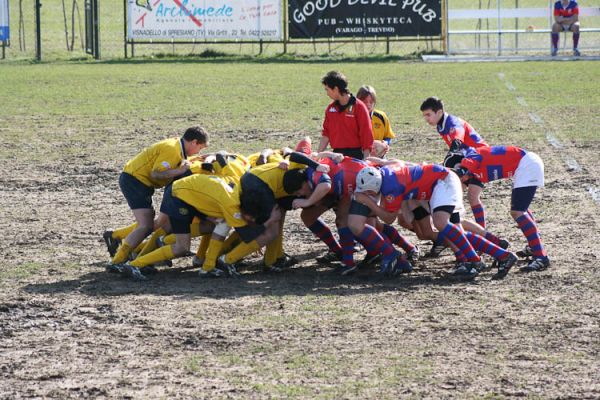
{"type": "Point", "coordinates": [460, 257]}
{"type": "Point", "coordinates": [492, 238]}
{"type": "Point", "coordinates": [122, 253]}
{"type": "Point", "coordinates": [555, 38]}
{"type": "Point", "coordinates": [231, 241]}
{"type": "Point", "coordinates": [195, 229]}
{"type": "Point", "coordinates": [479, 214]}
{"type": "Point", "coordinates": [169, 239]}
{"type": "Point", "coordinates": [323, 232]}
{"type": "Point", "coordinates": [274, 250]}
{"type": "Point", "coordinates": [150, 244]}
{"type": "Point", "coordinates": [396, 238]}
{"type": "Point", "coordinates": [455, 235]}
{"type": "Point", "coordinates": [576, 40]}
{"type": "Point", "coordinates": [203, 246]}
{"type": "Point", "coordinates": [240, 251]}
{"type": "Point", "coordinates": [479, 243]}
{"type": "Point", "coordinates": [375, 243]}
{"type": "Point", "coordinates": [213, 252]}
{"type": "Point", "coordinates": [529, 228]}
{"type": "Point", "coordinates": [162, 254]}
{"type": "Point", "coordinates": [347, 244]}
{"type": "Point", "coordinates": [122, 233]}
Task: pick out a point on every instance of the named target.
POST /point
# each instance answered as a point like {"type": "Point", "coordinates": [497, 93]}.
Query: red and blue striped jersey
{"type": "Point", "coordinates": [493, 163]}
{"type": "Point", "coordinates": [571, 9]}
{"type": "Point", "coordinates": [451, 128]}
{"type": "Point", "coordinates": [408, 181]}
{"type": "Point", "coordinates": [342, 175]}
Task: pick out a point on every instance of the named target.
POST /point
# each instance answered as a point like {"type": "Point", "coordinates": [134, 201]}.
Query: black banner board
{"type": "Point", "coordinates": [364, 18]}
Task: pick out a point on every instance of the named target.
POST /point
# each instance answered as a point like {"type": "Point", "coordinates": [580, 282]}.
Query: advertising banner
{"type": "Point", "coordinates": [364, 18]}
{"type": "Point", "coordinates": [4, 21]}
{"type": "Point", "coordinates": [204, 19]}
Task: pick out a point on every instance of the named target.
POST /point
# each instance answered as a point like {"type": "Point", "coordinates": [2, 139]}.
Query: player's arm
{"type": "Point", "coordinates": [317, 195]}
{"type": "Point", "coordinates": [380, 212]}
{"type": "Point", "coordinates": [383, 161]}
{"type": "Point", "coordinates": [337, 157]}
{"type": "Point", "coordinates": [159, 174]}
{"type": "Point", "coordinates": [301, 158]}
{"type": "Point", "coordinates": [263, 157]}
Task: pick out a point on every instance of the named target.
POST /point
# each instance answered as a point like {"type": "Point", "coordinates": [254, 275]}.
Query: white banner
{"type": "Point", "coordinates": [204, 19]}
{"type": "Point", "coordinates": [4, 21]}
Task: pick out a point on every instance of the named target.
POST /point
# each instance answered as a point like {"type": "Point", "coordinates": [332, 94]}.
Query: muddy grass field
{"type": "Point", "coordinates": [68, 329]}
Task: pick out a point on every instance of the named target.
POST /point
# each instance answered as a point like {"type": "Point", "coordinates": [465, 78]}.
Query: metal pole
{"type": "Point", "coordinates": [96, 30]}
{"type": "Point", "coordinates": [285, 26]}
{"type": "Point", "coordinates": [3, 49]}
{"type": "Point", "coordinates": [517, 28]}
{"type": "Point", "coordinates": [499, 28]}
{"type": "Point", "coordinates": [445, 24]}
{"type": "Point", "coordinates": [125, 27]}
{"type": "Point", "coordinates": [387, 45]}
{"type": "Point", "coordinates": [38, 33]}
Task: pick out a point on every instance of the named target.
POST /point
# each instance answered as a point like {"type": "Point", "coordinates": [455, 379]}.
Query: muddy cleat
{"type": "Point", "coordinates": [388, 267]}
{"type": "Point", "coordinates": [465, 271]}
{"type": "Point", "coordinates": [403, 266]}
{"type": "Point", "coordinates": [114, 268]}
{"type": "Point", "coordinates": [197, 262]}
{"type": "Point", "coordinates": [282, 263]}
{"type": "Point", "coordinates": [413, 255]}
{"type": "Point", "coordinates": [576, 53]}
{"type": "Point", "coordinates": [525, 253]}
{"type": "Point", "coordinates": [504, 266]}
{"type": "Point", "coordinates": [503, 243]}
{"type": "Point", "coordinates": [435, 251]}
{"type": "Point", "coordinates": [345, 270]}
{"type": "Point", "coordinates": [213, 273]}
{"type": "Point", "coordinates": [369, 261]}
{"type": "Point", "coordinates": [111, 244]}
{"type": "Point", "coordinates": [133, 272]}
{"type": "Point", "coordinates": [228, 269]}
{"type": "Point", "coordinates": [329, 257]}
{"type": "Point", "coordinates": [538, 264]}
{"type": "Point", "coordinates": [480, 266]}
{"type": "Point", "coordinates": [149, 270]}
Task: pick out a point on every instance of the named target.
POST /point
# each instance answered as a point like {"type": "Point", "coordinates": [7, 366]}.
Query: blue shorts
{"type": "Point", "coordinates": [521, 198]}
{"type": "Point", "coordinates": [136, 193]}
{"type": "Point", "coordinates": [180, 213]}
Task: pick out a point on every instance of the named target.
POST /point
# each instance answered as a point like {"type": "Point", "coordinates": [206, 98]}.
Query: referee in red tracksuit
{"type": "Point", "coordinates": [347, 125]}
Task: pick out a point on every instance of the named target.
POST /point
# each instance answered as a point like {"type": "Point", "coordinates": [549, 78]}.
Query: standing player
{"type": "Point", "coordinates": [459, 135]}
{"type": "Point", "coordinates": [382, 129]}
{"type": "Point", "coordinates": [527, 171]}
{"type": "Point", "coordinates": [566, 18]}
{"type": "Point", "coordinates": [155, 167]}
{"type": "Point", "coordinates": [347, 125]}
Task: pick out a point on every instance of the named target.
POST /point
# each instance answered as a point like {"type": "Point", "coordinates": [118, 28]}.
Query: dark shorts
{"type": "Point", "coordinates": [285, 203]}
{"type": "Point", "coordinates": [180, 213]}
{"type": "Point", "coordinates": [357, 208]}
{"type": "Point", "coordinates": [136, 193]}
{"type": "Point", "coordinates": [248, 233]}
{"type": "Point", "coordinates": [476, 182]}
{"type": "Point", "coordinates": [522, 197]}
{"type": "Point", "coordinates": [354, 152]}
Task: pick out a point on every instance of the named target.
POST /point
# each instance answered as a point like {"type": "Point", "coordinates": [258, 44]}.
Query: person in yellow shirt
{"type": "Point", "coordinates": [153, 168]}
{"type": "Point", "coordinates": [382, 130]}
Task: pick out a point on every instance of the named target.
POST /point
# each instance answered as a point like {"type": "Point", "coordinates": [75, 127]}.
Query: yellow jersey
{"type": "Point", "coordinates": [276, 156]}
{"type": "Point", "coordinates": [272, 175]}
{"type": "Point", "coordinates": [164, 155]}
{"type": "Point", "coordinates": [381, 126]}
{"type": "Point", "coordinates": [211, 195]}
{"type": "Point", "coordinates": [237, 166]}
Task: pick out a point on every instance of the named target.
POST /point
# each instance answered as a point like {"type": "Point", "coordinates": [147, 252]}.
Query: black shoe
{"type": "Point", "coordinates": [388, 267]}
{"type": "Point", "coordinates": [228, 269]}
{"type": "Point", "coordinates": [345, 270]}
{"type": "Point", "coordinates": [111, 244]}
{"type": "Point", "coordinates": [525, 253]}
{"type": "Point", "coordinates": [538, 264]}
{"type": "Point", "coordinates": [149, 270]}
{"type": "Point", "coordinates": [413, 255]}
{"type": "Point", "coordinates": [503, 243]}
{"type": "Point", "coordinates": [282, 263]}
{"type": "Point", "coordinates": [465, 271]}
{"type": "Point", "coordinates": [403, 266]}
{"type": "Point", "coordinates": [133, 272]}
{"type": "Point", "coordinates": [435, 251]}
{"type": "Point", "coordinates": [480, 266]}
{"type": "Point", "coordinates": [114, 268]}
{"type": "Point", "coordinates": [504, 266]}
{"type": "Point", "coordinates": [213, 273]}
{"type": "Point", "coordinates": [369, 261]}
{"type": "Point", "coordinates": [329, 257]}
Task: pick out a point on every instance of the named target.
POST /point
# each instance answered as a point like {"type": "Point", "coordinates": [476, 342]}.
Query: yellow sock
{"type": "Point", "coordinates": [203, 246]}
{"type": "Point", "coordinates": [231, 241]}
{"type": "Point", "coordinates": [122, 233]}
{"type": "Point", "coordinates": [169, 239]}
{"type": "Point", "coordinates": [162, 254]}
{"type": "Point", "coordinates": [195, 229]}
{"type": "Point", "coordinates": [240, 251]}
{"type": "Point", "coordinates": [212, 253]}
{"type": "Point", "coordinates": [273, 251]}
{"type": "Point", "coordinates": [150, 244]}
{"type": "Point", "coordinates": [122, 253]}
{"type": "Point", "coordinates": [140, 246]}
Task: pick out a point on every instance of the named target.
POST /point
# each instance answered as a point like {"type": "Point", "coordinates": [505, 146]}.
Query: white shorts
{"type": "Point", "coordinates": [530, 172]}
{"type": "Point", "coordinates": [447, 192]}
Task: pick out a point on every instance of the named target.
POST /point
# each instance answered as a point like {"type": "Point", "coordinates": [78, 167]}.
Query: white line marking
{"type": "Point", "coordinates": [536, 118]}
{"type": "Point", "coordinates": [510, 86]}
{"type": "Point", "coordinates": [572, 164]}
{"type": "Point", "coordinates": [521, 101]}
{"type": "Point", "coordinates": [501, 76]}
{"type": "Point", "coordinates": [595, 193]}
{"type": "Point", "coordinates": [553, 140]}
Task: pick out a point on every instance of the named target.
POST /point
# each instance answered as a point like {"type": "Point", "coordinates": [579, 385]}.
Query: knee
{"type": "Point", "coordinates": [356, 227]}
{"type": "Point", "coordinates": [180, 249]}
{"type": "Point", "coordinates": [556, 28]}
{"type": "Point", "coordinates": [575, 28]}
{"type": "Point", "coordinates": [515, 214]}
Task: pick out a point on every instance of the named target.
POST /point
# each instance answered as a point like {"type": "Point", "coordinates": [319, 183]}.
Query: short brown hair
{"type": "Point", "coordinates": [335, 79]}
{"type": "Point", "coordinates": [366, 91]}
{"type": "Point", "coordinates": [197, 133]}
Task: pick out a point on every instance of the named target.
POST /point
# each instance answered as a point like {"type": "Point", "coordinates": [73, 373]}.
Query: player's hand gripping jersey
{"type": "Point", "coordinates": [408, 181]}
{"type": "Point", "coordinates": [571, 9]}
{"type": "Point", "coordinates": [342, 175]}
{"type": "Point", "coordinates": [493, 163]}
{"type": "Point", "coordinates": [164, 155]}
{"type": "Point", "coordinates": [458, 133]}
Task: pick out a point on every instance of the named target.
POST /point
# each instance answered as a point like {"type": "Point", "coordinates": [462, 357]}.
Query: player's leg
{"type": "Point", "coordinates": [575, 29]}
{"type": "Point", "coordinates": [474, 191]}
{"type": "Point", "coordinates": [555, 36]}
{"type": "Point", "coordinates": [311, 219]}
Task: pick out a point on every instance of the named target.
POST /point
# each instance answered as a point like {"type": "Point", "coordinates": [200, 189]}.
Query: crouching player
{"type": "Point", "coordinates": [527, 171]}
{"type": "Point", "coordinates": [210, 198]}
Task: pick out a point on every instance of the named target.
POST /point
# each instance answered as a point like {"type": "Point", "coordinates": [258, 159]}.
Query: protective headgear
{"type": "Point", "coordinates": [368, 179]}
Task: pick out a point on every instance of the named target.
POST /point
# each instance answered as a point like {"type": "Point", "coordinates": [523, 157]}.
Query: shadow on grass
{"type": "Point", "coordinates": [306, 278]}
